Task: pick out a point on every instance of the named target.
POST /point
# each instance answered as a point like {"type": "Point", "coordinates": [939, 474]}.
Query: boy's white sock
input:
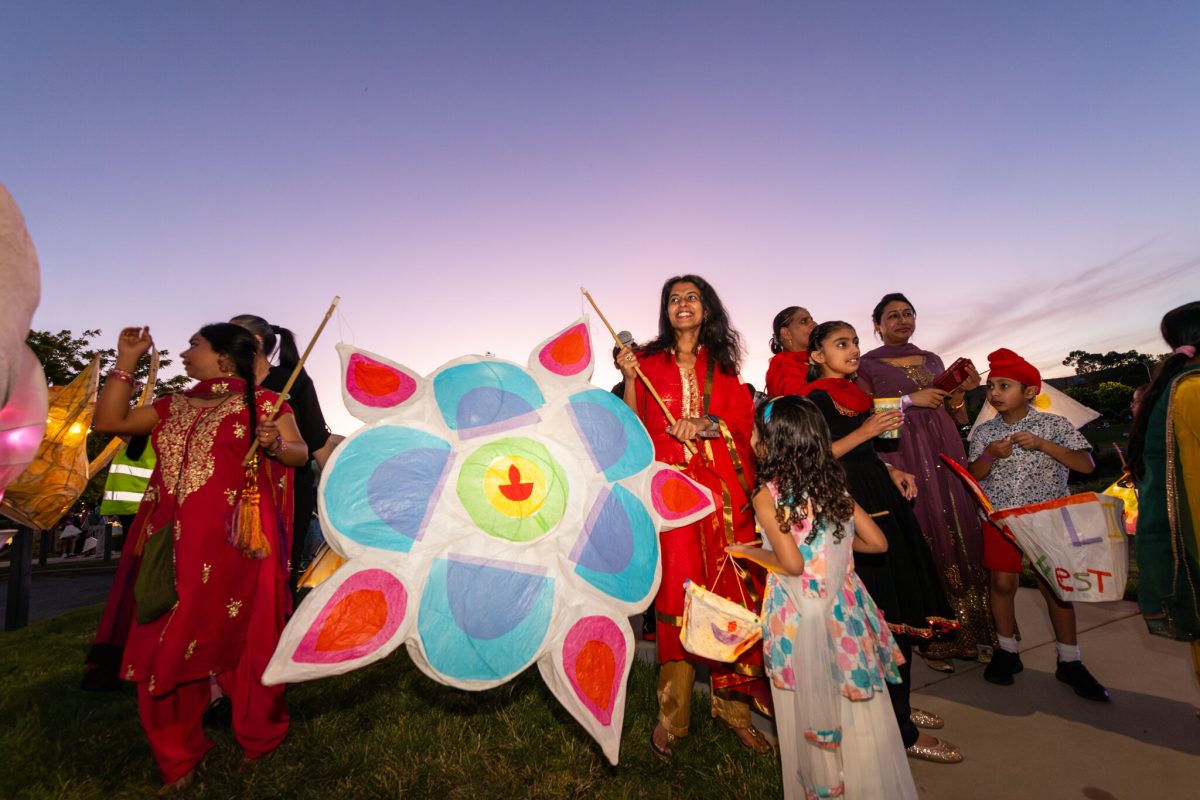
{"type": "Point", "coordinates": [1008, 643]}
{"type": "Point", "coordinates": [1068, 652]}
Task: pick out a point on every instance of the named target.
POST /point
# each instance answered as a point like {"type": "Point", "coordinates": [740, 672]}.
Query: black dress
{"type": "Point", "coordinates": [903, 581]}
{"type": "Point", "coordinates": [313, 430]}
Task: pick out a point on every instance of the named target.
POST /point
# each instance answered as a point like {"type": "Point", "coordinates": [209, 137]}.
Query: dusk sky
{"type": "Point", "coordinates": [1028, 173]}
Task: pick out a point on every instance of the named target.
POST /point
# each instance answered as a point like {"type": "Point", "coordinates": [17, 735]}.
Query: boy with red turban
{"type": "Point", "coordinates": [1024, 456]}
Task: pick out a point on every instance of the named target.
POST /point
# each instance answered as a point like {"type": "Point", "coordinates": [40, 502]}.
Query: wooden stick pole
{"type": "Point", "coordinates": [645, 381]}
{"type": "Point", "coordinates": [287, 387]}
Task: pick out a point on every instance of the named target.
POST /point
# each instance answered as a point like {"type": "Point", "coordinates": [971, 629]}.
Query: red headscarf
{"type": "Point", "coordinates": [1004, 363]}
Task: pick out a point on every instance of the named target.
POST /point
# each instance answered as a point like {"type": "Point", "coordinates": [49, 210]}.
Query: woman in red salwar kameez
{"type": "Point", "coordinates": [232, 593]}
{"type": "Point", "coordinates": [693, 364]}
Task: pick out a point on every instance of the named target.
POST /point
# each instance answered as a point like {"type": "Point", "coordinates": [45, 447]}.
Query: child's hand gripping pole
{"type": "Point", "coordinates": [645, 381]}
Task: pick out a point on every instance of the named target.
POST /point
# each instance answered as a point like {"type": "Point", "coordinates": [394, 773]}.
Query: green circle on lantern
{"type": "Point", "coordinates": [513, 489]}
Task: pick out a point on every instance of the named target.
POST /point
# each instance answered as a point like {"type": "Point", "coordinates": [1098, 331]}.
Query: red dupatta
{"type": "Point", "coordinates": [846, 393]}
{"type": "Point", "coordinates": [787, 373]}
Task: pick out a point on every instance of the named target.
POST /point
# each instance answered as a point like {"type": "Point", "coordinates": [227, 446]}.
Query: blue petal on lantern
{"type": "Point", "coordinates": [617, 551]}
{"type": "Point", "coordinates": [402, 469]}
{"type": "Point", "coordinates": [615, 438]}
{"type": "Point", "coordinates": [486, 397]}
{"type": "Point", "coordinates": [482, 620]}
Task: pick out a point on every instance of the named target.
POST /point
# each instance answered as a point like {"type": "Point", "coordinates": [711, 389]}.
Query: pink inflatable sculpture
{"type": "Point", "coordinates": [23, 396]}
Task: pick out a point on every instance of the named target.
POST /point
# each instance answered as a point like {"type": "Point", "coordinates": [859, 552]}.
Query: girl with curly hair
{"type": "Point", "coordinates": [827, 647]}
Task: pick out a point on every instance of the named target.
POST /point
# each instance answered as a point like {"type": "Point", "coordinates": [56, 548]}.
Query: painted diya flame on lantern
{"type": "Point", "coordinates": [492, 516]}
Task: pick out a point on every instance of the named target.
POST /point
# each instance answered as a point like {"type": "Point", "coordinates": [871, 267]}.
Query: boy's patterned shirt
{"type": "Point", "coordinates": [1026, 476]}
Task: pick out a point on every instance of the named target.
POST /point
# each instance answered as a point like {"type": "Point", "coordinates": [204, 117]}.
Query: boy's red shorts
{"type": "Point", "coordinates": [999, 553]}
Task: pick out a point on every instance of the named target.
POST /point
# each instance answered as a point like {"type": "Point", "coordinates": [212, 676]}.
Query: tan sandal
{"type": "Point", "coordinates": [179, 785]}
{"type": "Point", "coordinates": [759, 743]}
{"type": "Point", "coordinates": [663, 754]}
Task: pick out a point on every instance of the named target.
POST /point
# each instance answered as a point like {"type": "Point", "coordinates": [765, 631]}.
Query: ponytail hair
{"type": "Point", "coordinates": [275, 339]}
{"type": "Point", "coordinates": [238, 343]}
{"type": "Point", "coordinates": [1180, 327]}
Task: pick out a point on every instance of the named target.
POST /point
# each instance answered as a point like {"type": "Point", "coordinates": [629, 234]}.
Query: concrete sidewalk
{"type": "Point", "coordinates": [1036, 739]}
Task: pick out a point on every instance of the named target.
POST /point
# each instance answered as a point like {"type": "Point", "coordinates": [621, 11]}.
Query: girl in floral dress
{"type": "Point", "coordinates": [827, 648]}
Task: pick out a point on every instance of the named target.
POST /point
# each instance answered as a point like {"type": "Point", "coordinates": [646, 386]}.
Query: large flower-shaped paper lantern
{"type": "Point", "coordinates": [492, 517]}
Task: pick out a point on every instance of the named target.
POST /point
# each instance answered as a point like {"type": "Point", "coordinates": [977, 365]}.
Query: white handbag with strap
{"type": "Point", "coordinates": [715, 627]}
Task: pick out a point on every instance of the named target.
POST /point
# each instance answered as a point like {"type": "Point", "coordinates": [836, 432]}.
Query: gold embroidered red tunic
{"type": "Point", "coordinates": [229, 605]}
{"type": "Point", "coordinates": [726, 466]}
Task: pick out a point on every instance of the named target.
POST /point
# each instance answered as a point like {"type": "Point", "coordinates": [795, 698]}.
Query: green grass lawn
{"type": "Point", "coordinates": [385, 731]}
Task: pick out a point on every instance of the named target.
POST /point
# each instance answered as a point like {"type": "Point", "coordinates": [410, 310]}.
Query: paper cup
{"type": "Point", "coordinates": [888, 404]}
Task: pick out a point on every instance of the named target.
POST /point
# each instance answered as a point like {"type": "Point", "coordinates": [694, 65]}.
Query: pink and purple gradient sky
{"type": "Point", "coordinates": [1027, 172]}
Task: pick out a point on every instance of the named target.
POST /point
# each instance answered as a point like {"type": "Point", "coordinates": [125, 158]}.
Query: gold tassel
{"type": "Point", "coordinates": [248, 534]}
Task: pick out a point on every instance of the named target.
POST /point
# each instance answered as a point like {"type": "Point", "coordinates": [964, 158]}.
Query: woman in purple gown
{"type": "Point", "coordinates": [946, 512]}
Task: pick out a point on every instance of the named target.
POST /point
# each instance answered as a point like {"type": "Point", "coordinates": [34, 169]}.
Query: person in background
{"type": "Point", "coordinates": [788, 370]}
{"type": "Point", "coordinates": [280, 343]}
{"type": "Point", "coordinates": [1164, 457]}
{"type": "Point", "coordinates": [128, 476]}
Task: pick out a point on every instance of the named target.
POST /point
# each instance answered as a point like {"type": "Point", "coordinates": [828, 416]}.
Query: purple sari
{"type": "Point", "coordinates": [946, 512]}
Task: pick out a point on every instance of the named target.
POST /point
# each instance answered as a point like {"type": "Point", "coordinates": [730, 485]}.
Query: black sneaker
{"type": "Point", "coordinates": [1002, 667]}
{"type": "Point", "coordinates": [1077, 675]}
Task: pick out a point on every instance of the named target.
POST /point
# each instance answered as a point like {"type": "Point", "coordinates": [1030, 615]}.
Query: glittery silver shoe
{"type": "Point", "coordinates": [926, 719]}
{"type": "Point", "coordinates": [941, 753]}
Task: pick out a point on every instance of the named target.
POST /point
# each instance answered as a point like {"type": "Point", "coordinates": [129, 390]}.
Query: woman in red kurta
{"type": "Point", "coordinates": [788, 371]}
{"type": "Point", "coordinates": [693, 364]}
{"type": "Point", "coordinates": [232, 593]}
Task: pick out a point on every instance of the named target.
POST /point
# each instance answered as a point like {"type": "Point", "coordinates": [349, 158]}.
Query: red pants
{"type": "Point", "coordinates": [999, 553]}
{"type": "Point", "coordinates": [173, 721]}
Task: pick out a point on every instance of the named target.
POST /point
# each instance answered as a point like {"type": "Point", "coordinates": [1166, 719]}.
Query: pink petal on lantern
{"type": "Point", "coordinates": [376, 384]}
{"type": "Point", "coordinates": [675, 496]}
{"type": "Point", "coordinates": [359, 618]}
{"type": "Point", "coordinates": [594, 661]}
{"type": "Point", "coordinates": [569, 353]}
